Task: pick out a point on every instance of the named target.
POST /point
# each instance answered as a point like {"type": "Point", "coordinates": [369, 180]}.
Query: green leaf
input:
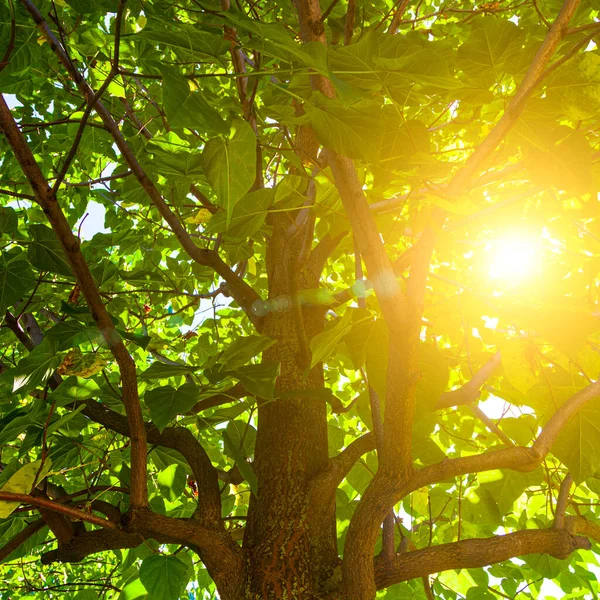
{"type": "Point", "coordinates": [240, 461]}
{"type": "Point", "coordinates": [187, 41]}
{"type": "Point", "coordinates": [166, 402]}
{"type": "Point", "coordinates": [36, 368]}
{"type": "Point", "coordinates": [324, 343]}
{"type": "Point", "coordinates": [175, 165]}
{"type": "Point", "coordinates": [159, 370]}
{"type": "Point", "coordinates": [510, 486]}
{"type": "Point", "coordinates": [491, 47]}
{"type": "Point", "coordinates": [544, 564]}
{"type": "Point", "coordinates": [259, 380]}
{"type": "Point", "coordinates": [247, 218]}
{"type": "Point", "coordinates": [16, 280]}
{"type": "Point", "coordinates": [64, 420]}
{"type": "Point", "coordinates": [567, 165]}
{"type": "Point", "coordinates": [481, 507]}
{"type": "Point", "coordinates": [186, 108]}
{"type": "Point", "coordinates": [243, 349]}
{"type": "Point", "coordinates": [74, 389]}
{"type": "Point", "coordinates": [171, 481]}
{"type": "Point", "coordinates": [349, 131]}
{"type": "Point", "coordinates": [230, 165]}
{"type": "Point", "coordinates": [574, 88]}
{"type": "Point", "coordinates": [242, 435]}
{"type": "Point", "coordinates": [517, 363]}
{"type": "Point", "coordinates": [72, 334]}
{"type": "Point", "coordinates": [45, 252]}
{"type": "Point", "coordinates": [9, 220]}
{"type": "Point", "coordinates": [164, 577]}
{"type": "Point", "coordinates": [578, 445]}
{"type": "Point", "coordinates": [22, 482]}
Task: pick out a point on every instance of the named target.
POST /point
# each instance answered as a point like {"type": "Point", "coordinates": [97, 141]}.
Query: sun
{"type": "Point", "coordinates": [512, 259]}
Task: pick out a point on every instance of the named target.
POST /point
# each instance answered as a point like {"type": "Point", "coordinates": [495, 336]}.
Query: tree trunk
{"type": "Point", "coordinates": [290, 555]}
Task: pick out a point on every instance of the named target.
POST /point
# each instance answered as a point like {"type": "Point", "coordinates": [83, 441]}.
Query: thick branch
{"type": "Point", "coordinates": [384, 492]}
{"type": "Point", "coordinates": [470, 554]}
{"type": "Point", "coordinates": [177, 438]}
{"type": "Point", "coordinates": [70, 244]}
{"type": "Point", "coordinates": [518, 458]}
{"type": "Point", "coordinates": [91, 542]}
{"type": "Point", "coordinates": [380, 495]}
{"type": "Point", "coordinates": [13, 325]}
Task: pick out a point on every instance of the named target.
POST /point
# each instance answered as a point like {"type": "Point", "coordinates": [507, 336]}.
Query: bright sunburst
{"type": "Point", "coordinates": [512, 259]}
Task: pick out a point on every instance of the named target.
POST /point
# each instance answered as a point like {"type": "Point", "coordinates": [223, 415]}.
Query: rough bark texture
{"type": "Point", "coordinates": [291, 445]}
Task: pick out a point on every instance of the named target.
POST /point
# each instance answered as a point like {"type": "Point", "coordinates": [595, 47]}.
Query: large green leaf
{"type": "Point", "coordinates": [22, 482]}
{"type": "Point", "coordinates": [509, 485]}
{"type": "Point", "coordinates": [36, 368]}
{"type": "Point", "coordinates": [159, 370]}
{"type": "Point", "coordinates": [323, 344]}
{"type": "Point", "coordinates": [350, 131]}
{"type": "Point", "coordinates": [164, 577]}
{"type": "Point", "coordinates": [187, 41]}
{"type": "Point", "coordinates": [187, 108]}
{"type": "Point", "coordinates": [16, 280]}
{"type": "Point", "coordinates": [230, 165]}
{"type": "Point", "coordinates": [574, 88]}
{"type": "Point", "coordinates": [9, 221]}
{"type": "Point", "coordinates": [240, 460]}
{"type": "Point", "coordinates": [166, 402]}
{"type": "Point", "coordinates": [491, 47]}
{"type": "Point", "coordinates": [45, 252]}
{"type": "Point", "coordinates": [172, 481]}
{"type": "Point", "coordinates": [578, 445]}
{"type": "Point", "coordinates": [247, 218]}
{"type": "Point", "coordinates": [243, 349]}
{"type": "Point", "coordinates": [259, 380]}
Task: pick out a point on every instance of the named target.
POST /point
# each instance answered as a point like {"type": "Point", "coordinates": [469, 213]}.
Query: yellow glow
{"type": "Point", "coordinates": [512, 259]}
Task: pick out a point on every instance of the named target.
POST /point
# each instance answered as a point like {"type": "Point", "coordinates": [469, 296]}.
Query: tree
{"type": "Point", "coordinates": [330, 231]}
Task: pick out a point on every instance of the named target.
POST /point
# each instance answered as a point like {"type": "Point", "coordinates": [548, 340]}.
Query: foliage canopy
{"type": "Point", "coordinates": [337, 336]}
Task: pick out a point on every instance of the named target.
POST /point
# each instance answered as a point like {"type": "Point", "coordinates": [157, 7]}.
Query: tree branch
{"type": "Point", "coordinates": [358, 575]}
{"type": "Point", "coordinates": [469, 392]}
{"type": "Point", "coordinates": [561, 503]}
{"type": "Point", "coordinates": [57, 507]}
{"type": "Point", "coordinates": [515, 108]}
{"type": "Point", "coordinates": [480, 552]}
{"type": "Point", "coordinates": [517, 458]}
{"type": "Point", "coordinates": [90, 542]}
{"type": "Point", "coordinates": [70, 244]}
{"type": "Point", "coordinates": [242, 293]}
{"type": "Point", "coordinates": [177, 438]}
{"type": "Point", "coordinates": [92, 101]}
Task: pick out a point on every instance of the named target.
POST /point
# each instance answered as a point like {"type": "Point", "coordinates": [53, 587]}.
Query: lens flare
{"type": "Point", "coordinates": [512, 259]}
